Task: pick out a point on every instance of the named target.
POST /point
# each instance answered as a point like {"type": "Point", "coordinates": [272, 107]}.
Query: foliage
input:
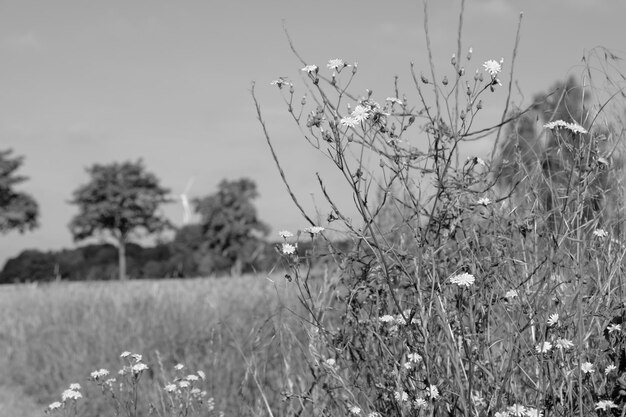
{"type": "Point", "coordinates": [18, 210]}
{"type": "Point", "coordinates": [231, 228]}
{"type": "Point", "coordinates": [120, 199]}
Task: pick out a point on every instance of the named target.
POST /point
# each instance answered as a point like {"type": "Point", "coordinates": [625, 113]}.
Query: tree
{"type": "Point", "coordinates": [121, 199]}
{"type": "Point", "coordinates": [230, 225]}
{"type": "Point", "coordinates": [18, 210]}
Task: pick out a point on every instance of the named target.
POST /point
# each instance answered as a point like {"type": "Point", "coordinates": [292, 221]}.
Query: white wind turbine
{"type": "Point", "coordinates": [185, 202]}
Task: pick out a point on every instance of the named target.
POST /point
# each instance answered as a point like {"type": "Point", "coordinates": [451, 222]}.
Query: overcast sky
{"type": "Point", "coordinates": [168, 81]}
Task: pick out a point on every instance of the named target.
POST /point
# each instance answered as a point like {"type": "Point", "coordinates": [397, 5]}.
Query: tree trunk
{"type": "Point", "coordinates": [121, 255]}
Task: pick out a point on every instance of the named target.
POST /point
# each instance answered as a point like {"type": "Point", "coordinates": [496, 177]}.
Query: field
{"type": "Point", "coordinates": [233, 329]}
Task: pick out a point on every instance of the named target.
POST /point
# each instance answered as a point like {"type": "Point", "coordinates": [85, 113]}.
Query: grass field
{"type": "Point", "coordinates": [236, 330]}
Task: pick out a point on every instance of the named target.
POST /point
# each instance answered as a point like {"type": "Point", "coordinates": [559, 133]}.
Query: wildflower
{"type": "Point", "coordinates": [492, 67]}
{"type": "Point", "coordinates": [179, 366]}
{"type": "Point", "coordinates": [202, 375]}
{"type": "Point", "coordinates": [560, 124]}
{"type": "Point", "coordinates": [99, 374]}
{"type": "Point", "coordinates": [285, 234]}
{"type": "Point", "coordinates": [601, 233]}
{"type": "Point", "coordinates": [195, 391]}
{"type": "Point", "coordinates": [511, 294]}
{"type": "Point", "coordinates": [55, 405]}
{"type": "Point", "coordinates": [355, 410]}
{"type": "Point", "coordinates": [576, 128]}
{"type": "Point", "coordinates": [374, 414]}
{"type": "Point", "coordinates": [609, 369]}
{"type": "Point", "coordinates": [70, 394]}
{"type": "Point", "coordinates": [420, 403]}
{"type": "Point", "coordinates": [587, 368]}
{"type": "Point", "coordinates": [414, 357]}
{"type": "Point", "coordinates": [553, 319]}
{"type": "Point", "coordinates": [313, 230]}
{"type": "Point", "coordinates": [139, 367]}
{"type": "Point", "coordinates": [280, 82]}
{"type": "Point", "coordinates": [137, 357]}
{"type": "Point", "coordinates": [170, 388]}
{"type": "Point", "coordinates": [463, 279]}
{"type": "Point", "coordinates": [517, 410]}
{"type": "Point", "coordinates": [336, 64]}
{"type": "Point", "coordinates": [330, 362]}
{"type": "Point", "coordinates": [613, 327]}
{"type": "Point", "coordinates": [288, 249]}
{"type": "Point", "coordinates": [544, 347]}
{"type": "Point", "coordinates": [484, 201]}
{"type": "Point", "coordinates": [433, 392]}
{"type": "Point", "coordinates": [310, 68]}
{"type": "Point", "coordinates": [348, 121]}
{"type": "Point", "coordinates": [532, 412]}
{"type": "Point", "coordinates": [192, 377]}
{"type": "Point", "coordinates": [605, 405]}
{"type": "Point", "coordinates": [75, 386]}
{"type": "Point", "coordinates": [502, 414]}
{"type": "Point", "coordinates": [394, 100]}
{"type": "Point", "coordinates": [184, 384]}
{"type": "Point", "coordinates": [361, 113]}
{"type": "Point", "coordinates": [407, 365]}
{"type": "Point", "coordinates": [401, 396]}
{"type": "Point", "coordinates": [125, 354]}
{"type": "Point", "coordinates": [564, 343]}
{"type": "Point", "coordinates": [386, 319]}
{"type": "Point", "coordinates": [109, 381]}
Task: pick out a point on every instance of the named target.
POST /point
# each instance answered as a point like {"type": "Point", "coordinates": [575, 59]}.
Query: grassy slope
{"type": "Point", "coordinates": [57, 334]}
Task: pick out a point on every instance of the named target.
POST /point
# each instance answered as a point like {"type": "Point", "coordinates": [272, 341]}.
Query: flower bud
{"type": "Point", "coordinates": [445, 80]}
{"type": "Point", "coordinates": [453, 60]}
{"type": "Point", "coordinates": [461, 72]}
{"type": "Point", "coordinates": [424, 79]}
{"type": "Point", "coordinates": [469, 53]}
{"type": "Point", "coordinates": [462, 115]}
{"type": "Point", "coordinates": [479, 105]}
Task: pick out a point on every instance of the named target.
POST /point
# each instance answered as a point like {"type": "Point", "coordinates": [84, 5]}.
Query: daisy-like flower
{"type": "Point", "coordinates": [601, 233]}
{"type": "Point", "coordinates": [192, 377]}
{"type": "Point", "coordinates": [179, 366]}
{"type": "Point", "coordinates": [280, 82]}
{"type": "Point", "coordinates": [336, 64]}
{"type": "Point", "coordinates": [310, 68]}
{"type": "Point", "coordinates": [202, 375]}
{"type": "Point", "coordinates": [184, 384]}
{"type": "Point", "coordinates": [99, 374]}
{"type": "Point", "coordinates": [386, 319]}
{"type": "Point", "coordinates": [125, 354]}
{"type": "Point", "coordinates": [544, 347]}
{"type": "Point", "coordinates": [492, 67]}
{"type": "Point", "coordinates": [70, 394]}
{"type": "Point", "coordinates": [587, 368]}
{"type": "Point", "coordinates": [288, 249]}
{"type": "Point", "coordinates": [517, 410]}
{"type": "Point", "coordinates": [170, 388]}
{"type": "Point", "coordinates": [414, 357]}
{"type": "Point", "coordinates": [355, 410]}
{"type": "Point", "coordinates": [420, 403]}
{"type": "Point", "coordinates": [54, 406]}
{"type": "Point", "coordinates": [313, 230]}
{"type": "Point", "coordinates": [533, 412]}
{"type": "Point", "coordinates": [463, 280]}
{"type": "Point", "coordinates": [432, 392]}
{"type": "Point", "coordinates": [394, 100]}
{"type": "Point", "coordinates": [349, 122]}
{"type": "Point", "coordinates": [483, 201]}
{"type": "Point", "coordinates": [609, 369]}
{"type": "Point", "coordinates": [361, 113]}
{"type": "Point", "coordinates": [614, 327]}
{"type": "Point", "coordinates": [576, 128]}
{"type": "Point", "coordinates": [285, 234]}
{"type": "Point", "coordinates": [401, 396]}
{"type": "Point", "coordinates": [553, 319]}
{"type": "Point", "coordinates": [564, 343]}
{"type": "Point", "coordinates": [137, 357]}
{"type": "Point", "coordinates": [605, 405]}
{"type": "Point", "coordinates": [139, 367]}
{"type": "Point", "coordinates": [195, 391]}
{"type": "Point", "coordinates": [75, 386]}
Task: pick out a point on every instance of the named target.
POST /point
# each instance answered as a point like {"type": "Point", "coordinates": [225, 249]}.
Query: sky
{"type": "Point", "coordinates": [84, 82]}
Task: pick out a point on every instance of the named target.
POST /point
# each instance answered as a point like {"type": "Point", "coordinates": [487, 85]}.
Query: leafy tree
{"type": "Point", "coordinates": [18, 210]}
{"type": "Point", "coordinates": [120, 199]}
{"type": "Point", "coordinates": [230, 226]}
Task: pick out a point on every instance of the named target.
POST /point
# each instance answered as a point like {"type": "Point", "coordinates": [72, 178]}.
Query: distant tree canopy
{"type": "Point", "coordinates": [120, 199]}
{"type": "Point", "coordinates": [18, 210]}
{"type": "Point", "coordinates": [230, 226]}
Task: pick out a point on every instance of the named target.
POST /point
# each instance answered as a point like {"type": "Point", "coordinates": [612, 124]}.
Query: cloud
{"type": "Point", "coordinates": [23, 41]}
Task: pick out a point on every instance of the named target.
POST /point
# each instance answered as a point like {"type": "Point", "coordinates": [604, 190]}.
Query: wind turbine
{"type": "Point", "coordinates": [185, 202]}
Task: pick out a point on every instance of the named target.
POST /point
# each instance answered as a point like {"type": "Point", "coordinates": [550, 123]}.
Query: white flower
{"type": "Point", "coordinates": [184, 384]}
{"type": "Point", "coordinates": [70, 394]}
{"type": "Point", "coordinates": [394, 100]}
{"type": "Point", "coordinates": [285, 234]}
{"type": "Point", "coordinates": [401, 396]}
{"type": "Point", "coordinates": [330, 362]}
{"type": "Point", "coordinates": [202, 375]}
{"type": "Point", "coordinates": [313, 229]}
{"type": "Point", "coordinates": [601, 233]}
{"type": "Point", "coordinates": [386, 319]}
{"type": "Point", "coordinates": [361, 113]}
{"type": "Point", "coordinates": [374, 414]}
{"type": "Point", "coordinates": [125, 354]}
{"type": "Point", "coordinates": [355, 410]}
{"type": "Point", "coordinates": [192, 377]}
{"type": "Point", "coordinates": [564, 343]}
{"type": "Point", "coordinates": [348, 121]}
{"type": "Point", "coordinates": [310, 68]}
{"type": "Point", "coordinates": [75, 386]}
{"type": "Point", "coordinates": [139, 367]}
{"type": "Point", "coordinates": [587, 368]}
{"type": "Point", "coordinates": [560, 124]}
{"type": "Point", "coordinates": [433, 392]}
{"type": "Point", "coordinates": [511, 294]}
{"type": "Point", "coordinates": [420, 403]}
{"type": "Point", "coordinates": [605, 405]}
{"type": "Point", "coordinates": [553, 319]}
{"type": "Point", "coordinates": [517, 410]}
{"type": "Point", "coordinates": [533, 412]}
{"type": "Point", "coordinates": [544, 347]}
{"type": "Point", "coordinates": [137, 357]}
{"type": "Point", "coordinates": [170, 388]}
{"type": "Point", "coordinates": [280, 82]}
{"type": "Point", "coordinates": [484, 201]}
{"type": "Point", "coordinates": [492, 67]}
{"type": "Point", "coordinates": [99, 374]}
{"type": "Point", "coordinates": [414, 357]}
{"type": "Point", "coordinates": [109, 381]}
{"type": "Point", "coordinates": [502, 414]}
{"type": "Point", "coordinates": [463, 279]}
{"type": "Point", "coordinates": [576, 128]}
{"type": "Point", "coordinates": [179, 366]}
{"type": "Point", "coordinates": [336, 64]}
{"type": "Point", "coordinates": [610, 369]}
{"type": "Point", "coordinates": [195, 391]}
{"type": "Point", "coordinates": [288, 249]}
{"type": "Point", "coordinates": [55, 405]}
{"type": "Point", "coordinates": [613, 327]}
